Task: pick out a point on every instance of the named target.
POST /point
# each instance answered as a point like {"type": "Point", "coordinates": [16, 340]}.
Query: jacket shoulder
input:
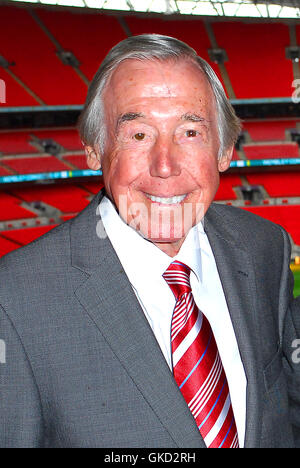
{"type": "Point", "coordinates": [245, 221]}
{"type": "Point", "coordinates": [255, 234]}
{"type": "Point", "coordinates": [45, 249]}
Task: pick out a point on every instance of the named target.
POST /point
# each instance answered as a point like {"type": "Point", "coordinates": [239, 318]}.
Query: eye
{"type": "Point", "coordinates": [139, 136]}
{"type": "Point", "coordinates": [191, 133]}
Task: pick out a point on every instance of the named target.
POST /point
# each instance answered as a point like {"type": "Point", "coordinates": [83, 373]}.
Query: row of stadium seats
{"type": "Point", "coordinates": [255, 131]}
{"type": "Point", "coordinates": [23, 203]}
{"type": "Point", "coordinates": [271, 151]}
{"type": "Point", "coordinates": [42, 163]}
{"type": "Point", "coordinates": [287, 217]}
{"type": "Point", "coordinates": [24, 212]}
{"type": "Point", "coordinates": [37, 150]}
{"type": "Point", "coordinates": [283, 184]}
{"type": "Point", "coordinates": [37, 73]}
{"type": "Point", "coordinates": [275, 184]}
{"type": "Point", "coordinates": [270, 130]}
{"type": "Point", "coordinates": [60, 54]}
{"type": "Point", "coordinates": [26, 142]}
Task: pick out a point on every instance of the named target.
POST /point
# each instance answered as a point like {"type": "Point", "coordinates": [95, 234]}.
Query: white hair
{"type": "Point", "coordinates": [91, 123]}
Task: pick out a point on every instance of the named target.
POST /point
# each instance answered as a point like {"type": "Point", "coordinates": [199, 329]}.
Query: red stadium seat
{"type": "Point", "coordinates": [7, 246]}
{"type": "Point", "coordinates": [25, 236]}
{"type": "Point", "coordinates": [68, 138]}
{"type": "Point", "coordinates": [79, 161]}
{"type": "Point", "coordinates": [93, 187]}
{"type": "Point", "coordinates": [16, 95]}
{"type": "Point", "coordinates": [36, 165]}
{"type": "Point", "coordinates": [271, 130]}
{"type": "Point", "coordinates": [10, 208]}
{"type": "Point", "coordinates": [16, 143]}
{"type": "Point", "coordinates": [256, 65]}
{"type": "Point", "coordinates": [36, 62]}
{"type": "Point", "coordinates": [66, 198]}
{"type": "Point", "coordinates": [282, 184]}
{"type": "Point", "coordinates": [235, 155]}
{"type": "Point", "coordinates": [227, 183]}
{"type": "Point", "coordinates": [88, 36]}
{"type": "Point", "coordinates": [4, 171]}
{"type": "Point", "coordinates": [268, 151]}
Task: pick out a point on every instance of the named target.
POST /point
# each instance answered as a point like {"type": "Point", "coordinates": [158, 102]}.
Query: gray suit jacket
{"type": "Point", "coordinates": [83, 368]}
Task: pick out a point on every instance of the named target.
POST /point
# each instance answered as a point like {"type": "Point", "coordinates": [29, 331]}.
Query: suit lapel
{"type": "Point", "coordinates": [109, 300]}
{"type": "Point", "coordinates": [238, 281]}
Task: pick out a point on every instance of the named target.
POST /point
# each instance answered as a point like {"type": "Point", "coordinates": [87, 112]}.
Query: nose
{"type": "Point", "coordinates": [164, 160]}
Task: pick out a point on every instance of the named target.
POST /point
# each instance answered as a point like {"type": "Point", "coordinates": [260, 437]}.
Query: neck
{"type": "Point", "coordinates": [169, 248]}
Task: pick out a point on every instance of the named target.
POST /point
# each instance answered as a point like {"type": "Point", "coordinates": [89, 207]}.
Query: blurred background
{"type": "Point", "coordinates": [49, 53]}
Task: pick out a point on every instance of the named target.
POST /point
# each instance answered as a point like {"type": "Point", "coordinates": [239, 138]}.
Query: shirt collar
{"type": "Point", "coordinates": [140, 257]}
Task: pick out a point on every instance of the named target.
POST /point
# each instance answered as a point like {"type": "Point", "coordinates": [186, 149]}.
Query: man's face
{"type": "Point", "coordinates": [160, 165]}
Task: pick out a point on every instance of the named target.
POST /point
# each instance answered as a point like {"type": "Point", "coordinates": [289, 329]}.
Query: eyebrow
{"type": "Point", "coordinates": [192, 117]}
{"type": "Point", "coordinates": [129, 116]}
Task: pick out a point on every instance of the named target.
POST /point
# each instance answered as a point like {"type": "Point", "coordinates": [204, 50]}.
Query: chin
{"type": "Point", "coordinates": [167, 236]}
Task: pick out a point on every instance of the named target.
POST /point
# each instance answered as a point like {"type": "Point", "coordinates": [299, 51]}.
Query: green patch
{"type": "Point", "coordinates": [297, 283]}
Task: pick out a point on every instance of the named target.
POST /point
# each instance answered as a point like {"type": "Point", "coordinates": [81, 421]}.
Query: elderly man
{"type": "Point", "coordinates": [154, 318]}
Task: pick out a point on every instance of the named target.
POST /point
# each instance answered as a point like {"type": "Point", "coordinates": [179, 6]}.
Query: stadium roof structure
{"type": "Point", "coordinates": [263, 9]}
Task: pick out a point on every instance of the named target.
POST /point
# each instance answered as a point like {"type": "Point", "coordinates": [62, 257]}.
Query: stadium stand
{"type": "Point", "coordinates": [270, 151]}
{"type": "Point", "coordinates": [35, 61]}
{"type": "Point", "coordinates": [24, 236]}
{"type": "Point", "coordinates": [68, 139]}
{"type": "Point", "coordinates": [80, 34]}
{"type": "Point", "coordinates": [34, 165]}
{"type": "Point", "coordinates": [256, 75]}
{"type": "Point", "coordinates": [7, 246]}
{"type": "Point", "coordinates": [4, 172]}
{"type": "Point", "coordinates": [282, 184]}
{"type": "Point", "coordinates": [76, 161]}
{"type": "Point", "coordinates": [10, 208]}
{"type": "Point", "coordinates": [228, 182]}
{"type": "Point", "coordinates": [272, 130]}
{"type": "Point", "coordinates": [16, 94]}
{"type": "Point", "coordinates": [25, 152]}
{"type": "Point", "coordinates": [16, 143]}
{"type": "Point", "coordinates": [36, 75]}
{"type": "Point", "coordinates": [66, 198]}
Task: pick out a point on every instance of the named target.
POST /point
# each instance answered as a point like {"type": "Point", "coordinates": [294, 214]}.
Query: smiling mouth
{"type": "Point", "coordinates": [167, 200]}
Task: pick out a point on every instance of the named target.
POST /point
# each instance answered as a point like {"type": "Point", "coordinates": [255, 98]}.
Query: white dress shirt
{"type": "Point", "coordinates": [144, 265]}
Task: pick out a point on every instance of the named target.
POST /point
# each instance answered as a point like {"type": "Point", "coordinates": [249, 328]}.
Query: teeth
{"type": "Point", "coordinates": [167, 201]}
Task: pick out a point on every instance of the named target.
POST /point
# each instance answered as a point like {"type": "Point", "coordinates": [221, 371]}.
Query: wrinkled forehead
{"type": "Point", "coordinates": [140, 79]}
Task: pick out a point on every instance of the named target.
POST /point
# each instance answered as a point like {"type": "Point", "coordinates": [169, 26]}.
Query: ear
{"type": "Point", "coordinates": [93, 158]}
{"type": "Point", "coordinates": [225, 160]}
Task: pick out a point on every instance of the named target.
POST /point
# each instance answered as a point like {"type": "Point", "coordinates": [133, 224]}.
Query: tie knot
{"type": "Point", "coordinates": [177, 275]}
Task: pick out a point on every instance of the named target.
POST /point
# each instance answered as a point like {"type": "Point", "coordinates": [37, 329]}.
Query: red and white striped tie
{"type": "Point", "coordinates": [197, 365]}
